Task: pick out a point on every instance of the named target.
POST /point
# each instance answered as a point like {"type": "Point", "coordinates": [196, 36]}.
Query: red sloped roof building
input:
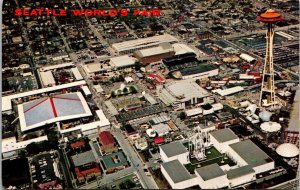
{"type": "Point", "coordinates": [107, 142]}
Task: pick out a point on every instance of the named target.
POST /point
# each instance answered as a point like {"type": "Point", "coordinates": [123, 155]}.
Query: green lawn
{"type": "Point", "coordinates": [213, 157]}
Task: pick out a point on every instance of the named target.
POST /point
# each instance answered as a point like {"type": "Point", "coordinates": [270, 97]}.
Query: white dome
{"type": "Point", "coordinates": [265, 115]}
{"type": "Point", "coordinates": [287, 150]}
{"type": "Point", "coordinates": [270, 126]}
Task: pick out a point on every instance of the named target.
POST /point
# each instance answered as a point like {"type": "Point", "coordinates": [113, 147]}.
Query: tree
{"type": "Point", "coordinates": [127, 184]}
{"type": "Point", "coordinates": [182, 115]}
{"type": "Point", "coordinates": [137, 66]}
{"type": "Point", "coordinates": [125, 90]}
{"type": "Point", "coordinates": [132, 90]}
{"type": "Point", "coordinates": [22, 153]}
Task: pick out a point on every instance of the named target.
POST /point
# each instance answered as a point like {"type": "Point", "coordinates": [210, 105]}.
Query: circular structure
{"type": "Point", "coordinates": [270, 127]}
{"type": "Point", "coordinates": [270, 16]}
{"type": "Point", "coordinates": [150, 132]}
{"type": "Point", "coordinates": [265, 115]}
{"type": "Point", "coordinates": [287, 150]}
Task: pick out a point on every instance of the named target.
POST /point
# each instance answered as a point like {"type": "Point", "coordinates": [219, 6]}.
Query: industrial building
{"type": "Point", "coordinates": [182, 94]}
{"type": "Point", "coordinates": [128, 47]}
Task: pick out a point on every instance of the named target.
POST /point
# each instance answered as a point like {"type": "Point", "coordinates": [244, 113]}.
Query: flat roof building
{"type": "Point", "coordinates": [181, 94]}
{"type": "Point", "coordinates": [177, 175]}
{"type": "Point", "coordinates": [47, 79]}
{"type": "Point", "coordinates": [122, 61]}
{"type": "Point", "coordinates": [174, 151]}
{"type": "Point", "coordinates": [154, 54]}
{"type": "Point", "coordinates": [211, 177]}
{"type": "Point", "coordinates": [142, 43]}
{"type": "Point", "coordinates": [250, 154]}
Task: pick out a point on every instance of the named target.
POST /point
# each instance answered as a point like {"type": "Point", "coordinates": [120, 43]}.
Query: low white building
{"type": "Point", "coordinates": [221, 139]}
{"type": "Point", "coordinates": [174, 151]}
{"type": "Point", "coordinates": [228, 91]}
{"type": "Point", "coordinates": [47, 79]}
{"type": "Point", "coordinates": [102, 124]}
{"type": "Point", "coordinates": [241, 175]}
{"type": "Point", "coordinates": [122, 62]}
{"type": "Point", "coordinates": [211, 177]}
{"type": "Point", "coordinates": [10, 146]}
{"type": "Point", "coordinates": [177, 175]}
{"type": "Point", "coordinates": [247, 153]}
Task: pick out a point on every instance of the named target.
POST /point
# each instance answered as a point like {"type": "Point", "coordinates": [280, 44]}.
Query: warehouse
{"type": "Point", "coordinates": [128, 47]}
{"type": "Point", "coordinates": [146, 56]}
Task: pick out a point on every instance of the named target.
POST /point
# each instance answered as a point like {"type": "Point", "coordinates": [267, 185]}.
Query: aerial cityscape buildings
{"type": "Point", "coordinates": [203, 96]}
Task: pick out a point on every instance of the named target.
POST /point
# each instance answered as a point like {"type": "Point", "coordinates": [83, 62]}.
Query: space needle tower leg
{"type": "Point", "coordinates": [268, 86]}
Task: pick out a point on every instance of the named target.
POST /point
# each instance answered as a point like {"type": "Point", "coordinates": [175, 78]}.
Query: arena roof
{"type": "Point", "coordinates": [6, 100]}
{"type": "Point", "coordinates": [52, 109]}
